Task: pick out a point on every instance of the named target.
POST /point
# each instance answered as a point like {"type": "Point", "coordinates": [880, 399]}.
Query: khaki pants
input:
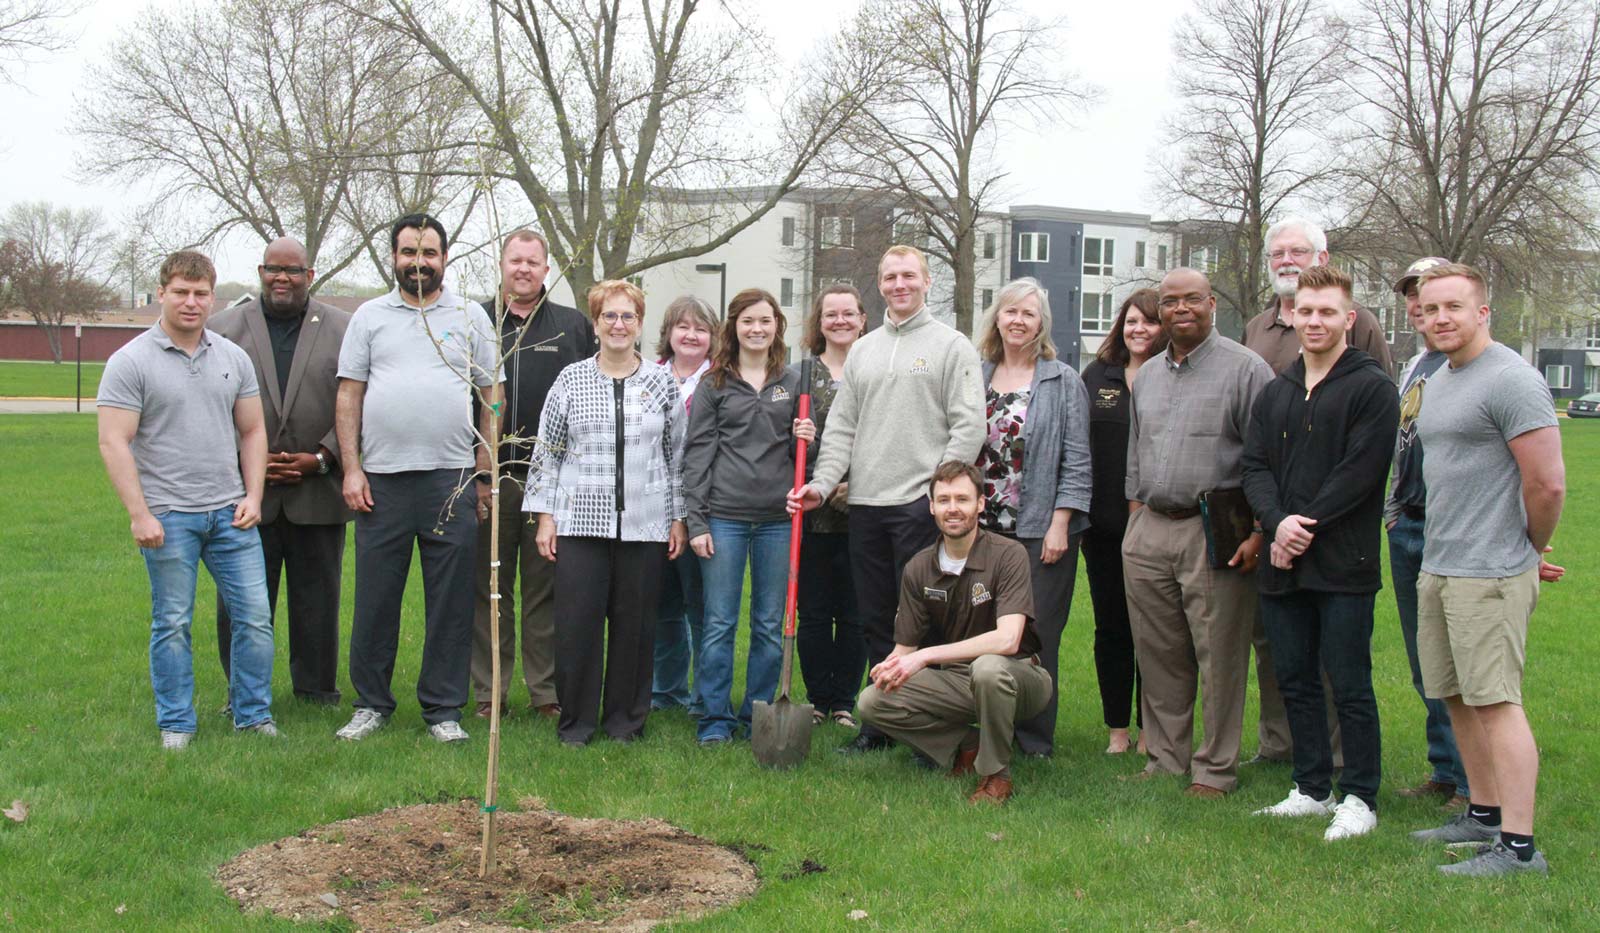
{"type": "Point", "coordinates": [519, 558]}
{"type": "Point", "coordinates": [935, 708]}
{"type": "Point", "coordinates": [1191, 632]}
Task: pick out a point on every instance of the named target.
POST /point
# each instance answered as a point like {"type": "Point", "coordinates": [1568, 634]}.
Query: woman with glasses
{"type": "Point", "coordinates": [1035, 465]}
{"type": "Point", "coordinates": [687, 340]}
{"type": "Point", "coordinates": [738, 467]}
{"type": "Point", "coordinates": [606, 486]}
{"type": "Point", "coordinates": [833, 654]}
{"type": "Point", "coordinates": [1135, 338]}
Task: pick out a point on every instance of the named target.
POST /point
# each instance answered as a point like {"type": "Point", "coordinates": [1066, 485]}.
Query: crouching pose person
{"type": "Point", "coordinates": [965, 646]}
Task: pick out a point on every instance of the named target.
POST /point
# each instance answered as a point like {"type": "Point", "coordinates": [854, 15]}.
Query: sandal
{"type": "Point", "coordinates": [817, 716]}
{"type": "Point", "coordinates": [842, 717]}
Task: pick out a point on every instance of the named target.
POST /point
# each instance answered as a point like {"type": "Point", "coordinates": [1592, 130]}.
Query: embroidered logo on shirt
{"type": "Point", "coordinates": [780, 394]}
{"type": "Point", "coordinates": [980, 594]}
{"type": "Point", "coordinates": [920, 367]}
{"type": "Point", "coordinates": [545, 348]}
{"type": "Point", "coordinates": [934, 593]}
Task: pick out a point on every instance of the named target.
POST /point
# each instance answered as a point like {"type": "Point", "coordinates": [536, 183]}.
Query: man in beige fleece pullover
{"type": "Point", "coordinates": [912, 398]}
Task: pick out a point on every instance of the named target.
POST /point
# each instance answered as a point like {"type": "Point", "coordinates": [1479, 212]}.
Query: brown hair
{"type": "Point", "coordinates": [991, 346]}
{"type": "Point", "coordinates": [600, 292]}
{"type": "Point", "coordinates": [1114, 351]}
{"type": "Point", "coordinates": [526, 235]}
{"type": "Point", "coordinates": [188, 264]}
{"type": "Point", "coordinates": [685, 306]}
{"type": "Point", "coordinates": [1328, 277]}
{"type": "Point", "coordinates": [952, 470]}
{"type": "Point", "coordinates": [727, 356]}
{"type": "Point", "coordinates": [812, 338]}
{"type": "Point", "coordinates": [1461, 269]}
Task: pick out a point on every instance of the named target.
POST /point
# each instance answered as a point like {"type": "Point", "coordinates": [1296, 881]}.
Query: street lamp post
{"type": "Point", "coordinates": [721, 268]}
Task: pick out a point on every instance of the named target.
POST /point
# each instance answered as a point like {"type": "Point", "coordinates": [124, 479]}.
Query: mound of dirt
{"type": "Point", "coordinates": [416, 868]}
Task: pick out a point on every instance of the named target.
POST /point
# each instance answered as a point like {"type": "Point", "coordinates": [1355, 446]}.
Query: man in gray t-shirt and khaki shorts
{"type": "Point", "coordinates": [1495, 484]}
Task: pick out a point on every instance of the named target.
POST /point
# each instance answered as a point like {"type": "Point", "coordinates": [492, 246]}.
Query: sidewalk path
{"type": "Point", "coordinates": [43, 406]}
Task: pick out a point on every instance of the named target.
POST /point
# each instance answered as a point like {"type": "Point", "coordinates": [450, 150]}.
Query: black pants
{"type": "Point", "coordinates": [422, 507]}
{"type": "Point", "coordinates": [1052, 600]}
{"type": "Point", "coordinates": [1312, 633]}
{"type": "Point", "coordinates": [883, 539]}
{"type": "Point", "coordinates": [605, 605]}
{"type": "Point", "coordinates": [1114, 663]}
{"type": "Point", "coordinates": [832, 652]}
{"type": "Point", "coordinates": [313, 558]}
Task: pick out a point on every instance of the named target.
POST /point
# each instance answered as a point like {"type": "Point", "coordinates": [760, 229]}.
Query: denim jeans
{"type": "Point", "coordinates": [765, 547]}
{"type": "Point", "coordinates": [1405, 563]}
{"type": "Point", "coordinates": [680, 631]}
{"type": "Point", "coordinates": [234, 558]}
{"type": "Point", "coordinates": [1314, 632]}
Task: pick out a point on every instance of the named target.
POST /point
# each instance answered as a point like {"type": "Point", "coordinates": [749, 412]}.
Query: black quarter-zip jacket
{"type": "Point", "coordinates": [557, 337]}
{"type": "Point", "coordinates": [1324, 454]}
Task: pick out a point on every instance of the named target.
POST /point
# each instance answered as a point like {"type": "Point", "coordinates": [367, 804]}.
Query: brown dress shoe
{"type": "Point", "coordinates": [1205, 792]}
{"type": "Point", "coordinates": [484, 708]}
{"type": "Point", "coordinates": [995, 789]}
{"type": "Point", "coordinates": [1455, 804]}
{"type": "Point", "coordinates": [963, 764]}
{"type": "Point", "coordinates": [1428, 788]}
{"type": "Point", "coordinates": [548, 710]}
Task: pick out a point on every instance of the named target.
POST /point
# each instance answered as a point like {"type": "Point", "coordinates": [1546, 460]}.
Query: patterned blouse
{"type": "Point", "coordinates": [575, 474]}
{"type": "Point", "coordinates": [829, 519]}
{"type": "Point", "coordinates": [1000, 459]}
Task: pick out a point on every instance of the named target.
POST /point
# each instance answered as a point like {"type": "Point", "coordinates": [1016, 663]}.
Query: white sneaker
{"type": "Point", "coordinates": [448, 731]}
{"type": "Point", "coordinates": [1298, 804]}
{"type": "Point", "coordinates": [1351, 818]}
{"type": "Point", "coordinates": [266, 728]}
{"type": "Point", "coordinates": [175, 741]}
{"type": "Point", "coordinates": [362, 724]}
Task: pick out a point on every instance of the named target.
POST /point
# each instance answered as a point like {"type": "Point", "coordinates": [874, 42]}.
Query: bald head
{"type": "Point", "coordinates": [1186, 306]}
{"type": "Point", "coordinates": [286, 277]}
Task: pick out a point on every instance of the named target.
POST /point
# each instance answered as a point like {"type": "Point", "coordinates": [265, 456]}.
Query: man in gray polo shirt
{"type": "Point", "coordinates": [171, 403]}
{"type": "Point", "coordinates": [1191, 620]}
{"type": "Point", "coordinates": [408, 369]}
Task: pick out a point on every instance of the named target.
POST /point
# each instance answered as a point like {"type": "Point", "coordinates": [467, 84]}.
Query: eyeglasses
{"type": "Point", "coordinates": [293, 272]}
{"type": "Point", "coordinates": [1193, 302]}
{"type": "Point", "coordinates": [1299, 252]}
{"type": "Point", "coordinates": [612, 317]}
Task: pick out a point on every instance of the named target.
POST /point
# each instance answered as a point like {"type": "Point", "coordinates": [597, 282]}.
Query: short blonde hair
{"type": "Point", "coordinates": [991, 346]}
{"type": "Point", "coordinates": [601, 291]}
{"type": "Point", "coordinates": [901, 250]}
{"type": "Point", "coordinates": [1457, 269]}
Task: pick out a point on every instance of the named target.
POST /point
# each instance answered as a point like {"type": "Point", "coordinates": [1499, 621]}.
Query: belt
{"type": "Point", "coordinates": [1414, 512]}
{"type": "Point", "coordinates": [1176, 515]}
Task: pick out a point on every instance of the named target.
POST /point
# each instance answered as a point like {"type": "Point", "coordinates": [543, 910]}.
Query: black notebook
{"type": "Point", "coordinates": [1225, 515]}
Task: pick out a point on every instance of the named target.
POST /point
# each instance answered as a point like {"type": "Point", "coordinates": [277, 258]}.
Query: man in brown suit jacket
{"type": "Point", "coordinates": [294, 342]}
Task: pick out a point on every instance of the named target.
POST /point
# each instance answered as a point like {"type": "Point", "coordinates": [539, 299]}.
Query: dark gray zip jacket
{"type": "Point", "coordinates": [738, 459]}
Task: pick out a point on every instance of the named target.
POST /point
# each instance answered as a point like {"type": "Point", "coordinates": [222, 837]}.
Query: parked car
{"type": "Point", "coordinates": [1586, 406]}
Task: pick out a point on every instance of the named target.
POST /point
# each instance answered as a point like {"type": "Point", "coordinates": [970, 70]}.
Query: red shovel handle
{"type": "Point", "coordinates": [796, 519]}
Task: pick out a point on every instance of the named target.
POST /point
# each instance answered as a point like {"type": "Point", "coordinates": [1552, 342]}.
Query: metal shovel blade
{"type": "Point", "coordinates": [780, 733]}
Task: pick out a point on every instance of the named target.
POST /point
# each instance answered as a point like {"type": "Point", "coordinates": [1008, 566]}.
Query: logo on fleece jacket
{"type": "Point", "coordinates": [920, 367]}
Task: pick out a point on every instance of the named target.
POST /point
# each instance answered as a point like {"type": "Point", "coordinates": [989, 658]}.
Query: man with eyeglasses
{"type": "Point", "coordinates": [1294, 245]}
{"type": "Point", "coordinates": [1190, 611]}
{"type": "Point", "coordinates": [412, 363]}
{"type": "Point", "coordinates": [294, 342]}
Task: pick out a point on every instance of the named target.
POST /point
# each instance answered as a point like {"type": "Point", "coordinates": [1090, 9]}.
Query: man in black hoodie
{"type": "Point", "coordinates": [1315, 463]}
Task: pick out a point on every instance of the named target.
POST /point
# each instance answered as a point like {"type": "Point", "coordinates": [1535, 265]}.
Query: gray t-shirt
{"type": "Point", "coordinates": [417, 413]}
{"type": "Point", "coordinates": [1476, 524]}
{"type": "Point", "coordinates": [186, 447]}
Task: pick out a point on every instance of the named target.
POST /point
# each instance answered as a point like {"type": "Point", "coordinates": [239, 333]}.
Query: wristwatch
{"type": "Point", "coordinates": [322, 464]}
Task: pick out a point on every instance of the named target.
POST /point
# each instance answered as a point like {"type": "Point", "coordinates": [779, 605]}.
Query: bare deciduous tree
{"type": "Point", "coordinates": [54, 265]}
{"type": "Point", "coordinates": [1244, 147]}
{"type": "Point", "coordinates": [30, 29]}
{"type": "Point", "coordinates": [961, 70]}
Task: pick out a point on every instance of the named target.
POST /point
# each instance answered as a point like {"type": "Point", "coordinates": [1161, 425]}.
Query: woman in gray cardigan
{"type": "Point", "coordinates": [1035, 465]}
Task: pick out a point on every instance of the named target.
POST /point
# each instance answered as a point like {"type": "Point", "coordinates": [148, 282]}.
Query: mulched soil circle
{"type": "Point", "coordinates": [416, 868]}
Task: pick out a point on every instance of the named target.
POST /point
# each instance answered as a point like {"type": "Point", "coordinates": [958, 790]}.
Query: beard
{"type": "Point", "coordinates": [1284, 285]}
{"type": "Point", "coordinates": [426, 283]}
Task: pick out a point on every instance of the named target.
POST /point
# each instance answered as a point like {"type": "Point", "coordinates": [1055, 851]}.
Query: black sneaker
{"type": "Point", "coordinates": [864, 742]}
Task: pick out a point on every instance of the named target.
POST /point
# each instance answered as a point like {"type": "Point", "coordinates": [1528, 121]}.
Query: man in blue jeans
{"type": "Point", "coordinates": [171, 403]}
{"type": "Point", "coordinates": [1403, 516]}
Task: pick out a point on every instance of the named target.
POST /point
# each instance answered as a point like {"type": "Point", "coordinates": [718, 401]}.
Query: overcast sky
{"type": "Point", "coordinates": [1099, 160]}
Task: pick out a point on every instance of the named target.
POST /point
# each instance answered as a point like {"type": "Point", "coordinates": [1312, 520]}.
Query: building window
{"type": "Point", "coordinates": [1591, 339]}
{"type": "Point", "coordinates": [1033, 247]}
{"type": "Point", "coordinates": [911, 233]}
{"type": "Point", "coordinates": [787, 238]}
{"type": "Point", "coordinates": [1138, 254]}
{"type": "Point", "coordinates": [988, 245]}
{"type": "Point", "coordinates": [1591, 378]}
{"type": "Point", "coordinates": [637, 281]}
{"type": "Point", "coordinates": [786, 292]}
{"type": "Point", "coordinates": [1098, 314]}
{"type": "Point", "coordinates": [1203, 259]}
{"type": "Point", "coordinates": [1161, 257]}
{"type": "Point", "coordinates": [1558, 377]}
{"type": "Point", "coordinates": [1387, 318]}
{"type": "Point", "coordinates": [838, 232]}
{"type": "Point", "coordinates": [986, 297]}
{"type": "Point", "coordinates": [1098, 255]}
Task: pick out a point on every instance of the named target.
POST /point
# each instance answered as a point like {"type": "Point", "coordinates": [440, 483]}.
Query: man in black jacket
{"type": "Point", "coordinates": [1315, 462]}
{"type": "Point", "coordinates": [539, 338]}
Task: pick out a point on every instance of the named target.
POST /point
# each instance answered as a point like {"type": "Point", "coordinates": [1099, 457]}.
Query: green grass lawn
{"type": "Point", "coordinates": [124, 836]}
{"type": "Point", "coordinates": [28, 379]}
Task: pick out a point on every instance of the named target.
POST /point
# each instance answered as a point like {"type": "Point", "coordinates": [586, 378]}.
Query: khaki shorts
{"type": "Point", "coordinates": [1472, 635]}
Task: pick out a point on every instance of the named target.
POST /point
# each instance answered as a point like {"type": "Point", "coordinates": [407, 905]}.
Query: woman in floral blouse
{"type": "Point", "coordinates": [1035, 465]}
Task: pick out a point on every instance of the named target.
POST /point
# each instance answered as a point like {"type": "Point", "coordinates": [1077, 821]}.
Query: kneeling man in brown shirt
{"type": "Point", "coordinates": [965, 646]}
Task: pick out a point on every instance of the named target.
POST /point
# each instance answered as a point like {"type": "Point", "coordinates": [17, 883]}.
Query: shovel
{"type": "Point", "coordinates": [780, 731]}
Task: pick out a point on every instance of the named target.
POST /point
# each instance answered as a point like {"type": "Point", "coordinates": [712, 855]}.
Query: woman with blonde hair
{"type": "Point", "coordinates": [1035, 465]}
